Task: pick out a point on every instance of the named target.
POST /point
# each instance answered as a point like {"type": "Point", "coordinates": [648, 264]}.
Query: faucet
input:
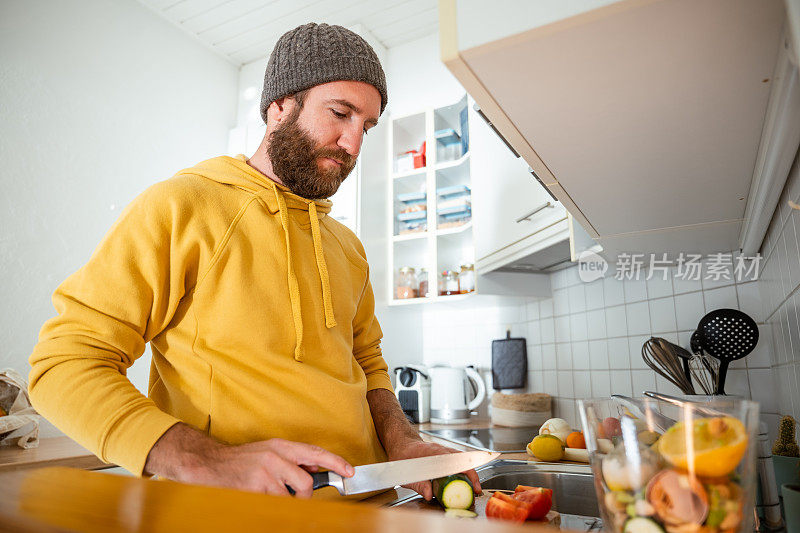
{"type": "Point", "coordinates": [770, 504]}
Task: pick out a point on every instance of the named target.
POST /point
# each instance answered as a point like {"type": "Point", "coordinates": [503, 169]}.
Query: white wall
{"type": "Point", "coordinates": [98, 101]}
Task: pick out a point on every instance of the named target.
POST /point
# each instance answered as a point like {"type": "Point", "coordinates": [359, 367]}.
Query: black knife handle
{"type": "Point", "coordinates": [320, 479]}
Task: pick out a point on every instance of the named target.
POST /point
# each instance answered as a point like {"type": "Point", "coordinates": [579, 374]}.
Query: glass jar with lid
{"type": "Point", "coordinates": [466, 278]}
{"type": "Point", "coordinates": [448, 283]}
{"type": "Point", "coordinates": [406, 284]}
{"type": "Point", "coordinates": [422, 278]}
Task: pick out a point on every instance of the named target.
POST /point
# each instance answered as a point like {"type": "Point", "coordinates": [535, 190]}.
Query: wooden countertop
{"type": "Point", "coordinates": [57, 499]}
{"type": "Point", "coordinates": [55, 451]}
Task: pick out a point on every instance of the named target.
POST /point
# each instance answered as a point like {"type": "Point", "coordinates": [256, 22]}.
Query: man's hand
{"type": "Point", "coordinates": [401, 441]}
{"type": "Point", "coordinates": [418, 448]}
{"type": "Point", "coordinates": [186, 455]}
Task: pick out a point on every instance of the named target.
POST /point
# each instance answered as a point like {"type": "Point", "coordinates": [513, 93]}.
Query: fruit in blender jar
{"type": "Point", "coordinates": [718, 444]}
{"type": "Point", "coordinates": [612, 427]}
{"type": "Point", "coordinates": [622, 472]}
{"type": "Point", "coordinates": [647, 437]}
{"type": "Point", "coordinates": [677, 498]}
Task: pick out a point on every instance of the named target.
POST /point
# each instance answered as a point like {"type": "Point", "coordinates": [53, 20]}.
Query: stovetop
{"type": "Point", "coordinates": [507, 440]}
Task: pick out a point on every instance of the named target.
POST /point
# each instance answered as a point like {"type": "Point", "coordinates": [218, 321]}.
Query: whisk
{"type": "Point", "coordinates": [705, 369]}
{"type": "Point", "coordinates": [659, 355]}
{"type": "Point", "coordinates": [704, 372]}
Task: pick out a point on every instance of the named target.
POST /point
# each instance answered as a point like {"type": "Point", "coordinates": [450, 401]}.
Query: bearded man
{"type": "Point", "coordinates": [257, 305]}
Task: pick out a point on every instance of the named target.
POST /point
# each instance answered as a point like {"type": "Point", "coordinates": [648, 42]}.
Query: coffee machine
{"type": "Point", "coordinates": [413, 390]}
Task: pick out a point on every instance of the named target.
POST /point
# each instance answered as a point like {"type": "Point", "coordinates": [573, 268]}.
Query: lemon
{"type": "Point", "coordinates": [713, 448]}
{"type": "Point", "coordinates": [546, 448]}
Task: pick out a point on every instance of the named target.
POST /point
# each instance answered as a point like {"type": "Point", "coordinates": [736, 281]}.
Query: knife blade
{"type": "Point", "coordinates": [368, 478]}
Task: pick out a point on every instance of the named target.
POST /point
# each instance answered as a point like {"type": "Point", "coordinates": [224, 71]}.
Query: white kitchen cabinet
{"type": "Point", "coordinates": [514, 215]}
{"type": "Point", "coordinates": [436, 243]}
{"type": "Point", "coordinates": [645, 118]}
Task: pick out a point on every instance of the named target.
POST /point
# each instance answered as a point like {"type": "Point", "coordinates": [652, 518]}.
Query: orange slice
{"type": "Point", "coordinates": [713, 447]}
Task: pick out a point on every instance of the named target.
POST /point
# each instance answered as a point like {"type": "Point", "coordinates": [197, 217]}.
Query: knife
{"type": "Point", "coordinates": [387, 475]}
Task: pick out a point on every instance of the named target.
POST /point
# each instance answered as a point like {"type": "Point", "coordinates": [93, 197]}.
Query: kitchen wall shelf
{"type": "Point", "coordinates": [457, 162]}
{"type": "Point", "coordinates": [415, 172]}
{"type": "Point", "coordinates": [410, 236]}
{"type": "Point", "coordinates": [455, 230]}
{"type": "Point", "coordinates": [442, 130]}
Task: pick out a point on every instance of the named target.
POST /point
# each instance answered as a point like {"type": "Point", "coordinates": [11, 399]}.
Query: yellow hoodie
{"type": "Point", "coordinates": [258, 309]}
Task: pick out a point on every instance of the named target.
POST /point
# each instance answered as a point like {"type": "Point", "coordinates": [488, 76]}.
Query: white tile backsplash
{"type": "Point", "coordinates": [577, 298]}
{"type": "Point", "coordinates": [719, 298]}
{"type": "Point", "coordinates": [637, 316]}
{"type": "Point", "coordinates": [662, 315]}
{"type": "Point", "coordinates": [613, 292]}
{"type": "Point", "coordinates": [562, 328]}
{"type": "Point", "coordinates": [598, 354]}
{"type": "Point", "coordinates": [586, 340]}
{"type": "Point", "coordinates": [658, 286]}
{"type": "Point", "coordinates": [689, 309]}
{"type": "Point", "coordinates": [616, 323]}
{"type": "Point", "coordinates": [596, 324]}
{"type": "Point", "coordinates": [580, 355]}
{"type": "Point", "coordinates": [561, 302]}
{"type": "Point", "coordinates": [546, 308]}
{"type": "Point", "coordinates": [635, 289]}
{"type": "Point", "coordinates": [594, 295]}
{"type": "Point", "coordinates": [618, 357]}
{"type": "Point", "coordinates": [577, 327]}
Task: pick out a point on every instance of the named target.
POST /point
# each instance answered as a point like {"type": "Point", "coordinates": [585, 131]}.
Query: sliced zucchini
{"type": "Point", "coordinates": [642, 525]}
{"type": "Point", "coordinates": [460, 513]}
{"type": "Point", "coordinates": [454, 492]}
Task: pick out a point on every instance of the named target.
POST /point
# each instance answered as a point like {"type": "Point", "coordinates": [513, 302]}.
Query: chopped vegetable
{"type": "Point", "coordinates": [540, 500]}
{"type": "Point", "coordinates": [454, 492]}
{"type": "Point", "coordinates": [504, 507]}
{"type": "Point", "coordinates": [460, 513]}
{"type": "Point", "coordinates": [642, 525]}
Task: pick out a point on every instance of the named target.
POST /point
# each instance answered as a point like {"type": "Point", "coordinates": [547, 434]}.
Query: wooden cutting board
{"type": "Point", "coordinates": [553, 518]}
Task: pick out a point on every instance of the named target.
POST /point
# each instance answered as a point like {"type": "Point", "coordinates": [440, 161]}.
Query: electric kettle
{"type": "Point", "coordinates": [450, 390]}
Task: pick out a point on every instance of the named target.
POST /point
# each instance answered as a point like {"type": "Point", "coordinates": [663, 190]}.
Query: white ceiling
{"type": "Point", "coordinates": [246, 30]}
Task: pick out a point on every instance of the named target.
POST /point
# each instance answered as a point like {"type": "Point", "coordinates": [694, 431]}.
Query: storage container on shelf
{"type": "Point", "coordinates": [448, 283]}
{"type": "Point", "coordinates": [412, 222]}
{"type": "Point", "coordinates": [410, 160]}
{"type": "Point", "coordinates": [453, 206]}
{"type": "Point", "coordinates": [448, 145]}
{"type": "Point", "coordinates": [413, 215]}
{"type": "Point", "coordinates": [422, 278]}
{"type": "Point", "coordinates": [466, 278]}
{"type": "Point", "coordinates": [406, 284]}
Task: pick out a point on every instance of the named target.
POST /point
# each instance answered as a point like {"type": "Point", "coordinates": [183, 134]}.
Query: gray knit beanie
{"type": "Point", "coordinates": [313, 54]}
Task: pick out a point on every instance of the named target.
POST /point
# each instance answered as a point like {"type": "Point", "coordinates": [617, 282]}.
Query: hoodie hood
{"type": "Point", "coordinates": [235, 171]}
{"type": "Point", "coordinates": [278, 199]}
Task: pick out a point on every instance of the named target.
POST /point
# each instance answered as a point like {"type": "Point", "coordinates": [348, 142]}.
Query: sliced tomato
{"type": "Point", "coordinates": [523, 488]}
{"type": "Point", "coordinates": [504, 507]}
{"type": "Point", "coordinates": [540, 501]}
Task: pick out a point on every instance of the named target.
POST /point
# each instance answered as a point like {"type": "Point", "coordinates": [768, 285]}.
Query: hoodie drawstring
{"type": "Point", "coordinates": [322, 268]}
{"type": "Point", "coordinates": [294, 290]}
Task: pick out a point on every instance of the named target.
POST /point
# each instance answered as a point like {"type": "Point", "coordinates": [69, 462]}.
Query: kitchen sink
{"type": "Point", "coordinates": [574, 494]}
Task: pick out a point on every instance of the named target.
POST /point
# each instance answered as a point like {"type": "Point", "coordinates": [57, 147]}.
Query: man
{"type": "Point", "coordinates": [258, 306]}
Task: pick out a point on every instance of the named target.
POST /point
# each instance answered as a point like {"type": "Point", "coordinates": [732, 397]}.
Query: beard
{"type": "Point", "coordinates": [295, 160]}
